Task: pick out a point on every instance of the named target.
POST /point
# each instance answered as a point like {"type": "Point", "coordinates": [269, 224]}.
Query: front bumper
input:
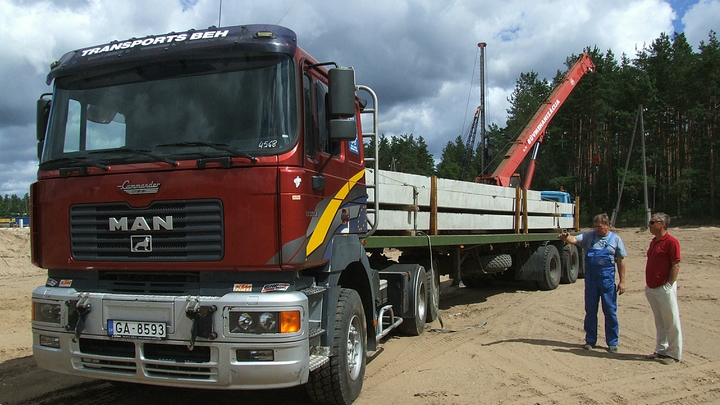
{"type": "Point", "coordinates": [209, 363]}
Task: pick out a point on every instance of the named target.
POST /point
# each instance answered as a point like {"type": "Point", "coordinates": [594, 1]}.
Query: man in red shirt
{"type": "Point", "coordinates": [661, 272]}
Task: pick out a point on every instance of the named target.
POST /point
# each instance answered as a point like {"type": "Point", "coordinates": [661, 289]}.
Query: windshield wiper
{"type": "Point", "coordinates": [219, 146]}
{"type": "Point", "coordinates": [80, 160]}
{"type": "Point", "coordinates": [143, 152]}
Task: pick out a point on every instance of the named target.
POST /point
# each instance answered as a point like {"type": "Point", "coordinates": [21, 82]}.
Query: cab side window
{"type": "Point", "coordinates": [321, 91]}
{"type": "Point", "coordinates": [309, 117]}
{"type": "Point", "coordinates": [325, 145]}
{"type": "Point", "coordinates": [317, 134]}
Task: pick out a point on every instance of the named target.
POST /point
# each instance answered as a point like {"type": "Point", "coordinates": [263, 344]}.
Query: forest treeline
{"type": "Point", "coordinates": [586, 146]}
{"type": "Point", "coordinates": [12, 206]}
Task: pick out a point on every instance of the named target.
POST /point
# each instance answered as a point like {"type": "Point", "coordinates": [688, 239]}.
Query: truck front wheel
{"type": "Point", "coordinates": [340, 380]}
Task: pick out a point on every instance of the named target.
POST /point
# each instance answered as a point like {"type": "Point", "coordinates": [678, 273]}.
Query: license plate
{"type": "Point", "coordinates": [133, 329]}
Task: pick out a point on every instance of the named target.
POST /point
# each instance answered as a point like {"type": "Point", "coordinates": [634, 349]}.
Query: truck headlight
{"type": "Point", "coordinates": [245, 321]}
{"type": "Point", "coordinates": [268, 322]}
{"type": "Point", "coordinates": [46, 312]}
{"type": "Point", "coordinates": [264, 322]}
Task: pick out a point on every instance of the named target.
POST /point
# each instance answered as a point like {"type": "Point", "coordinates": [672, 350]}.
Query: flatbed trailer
{"type": "Point", "coordinates": [496, 229]}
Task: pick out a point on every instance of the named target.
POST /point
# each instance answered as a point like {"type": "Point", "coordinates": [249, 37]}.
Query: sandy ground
{"type": "Point", "coordinates": [510, 344]}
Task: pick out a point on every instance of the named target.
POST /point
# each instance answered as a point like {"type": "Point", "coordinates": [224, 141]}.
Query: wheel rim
{"type": "Point", "coordinates": [354, 348]}
{"type": "Point", "coordinates": [421, 308]}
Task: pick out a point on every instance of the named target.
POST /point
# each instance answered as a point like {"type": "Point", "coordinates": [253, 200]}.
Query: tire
{"type": "Point", "coordinates": [495, 263]}
{"type": "Point", "coordinates": [551, 269]}
{"type": "Point", "coordinates": [432, 282]}
{"type": "Point", "coordinates": [581, 256]}
{"type": "Point", "coordinates": [433, 296]}
{"type": "Point", "coordinates": [415, 324]}
{"type": "Point", "coordinates": [339, 381]}
{"type": "Point", "coordinates": [570, 264]}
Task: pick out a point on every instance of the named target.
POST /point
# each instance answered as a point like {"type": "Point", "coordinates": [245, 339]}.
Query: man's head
{"type": "Point", "coordinates": [659, 223]}
{"type": "Point", "coordinates": [601, 223]}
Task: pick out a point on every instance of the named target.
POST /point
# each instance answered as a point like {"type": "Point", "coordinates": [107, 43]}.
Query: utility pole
{"type": "Point", "coordinates": [483, 138]}
{"type": "Point", "coordinates": [644, 164]}
{"type": "Point", "coordinates": [616, 211]}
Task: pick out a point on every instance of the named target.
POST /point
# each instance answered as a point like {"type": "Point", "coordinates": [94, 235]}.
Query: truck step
{"type": "Point", "coordinates": [316, 332]}
{"type": "Point", "coordinates": [313, 290]}
{"type": "Point", "coordinates": [387, 321]}
{"type": "Point", "coordinates": [316, 361]}
{"type": "Point", "coordinates": [319, 355]}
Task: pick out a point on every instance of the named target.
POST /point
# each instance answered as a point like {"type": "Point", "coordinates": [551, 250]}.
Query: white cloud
{"type": "Point", "coordinates": [700, 19]}
{"type": "Point", "coordinates": [626, 29]}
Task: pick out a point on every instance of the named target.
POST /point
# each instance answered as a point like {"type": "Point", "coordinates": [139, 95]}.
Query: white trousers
{"type": "Point", "coordinates": [663, 301]}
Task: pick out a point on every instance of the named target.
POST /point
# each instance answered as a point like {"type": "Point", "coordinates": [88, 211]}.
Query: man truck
{"type": "Point", "coordinates": [208, 219]}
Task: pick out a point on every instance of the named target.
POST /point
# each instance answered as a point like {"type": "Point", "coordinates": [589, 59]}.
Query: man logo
{"type": "Point", "coordinates": [141, 224]}
{"type": "Point", "coordinates": [140, 243]}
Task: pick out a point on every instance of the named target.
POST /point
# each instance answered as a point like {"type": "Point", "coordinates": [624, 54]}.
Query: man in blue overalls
{"type": "Point", "coordinates": [604, 251]}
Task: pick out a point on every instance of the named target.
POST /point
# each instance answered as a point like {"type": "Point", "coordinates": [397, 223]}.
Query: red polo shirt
{"type": "Point", "coordinates": [660, 255]}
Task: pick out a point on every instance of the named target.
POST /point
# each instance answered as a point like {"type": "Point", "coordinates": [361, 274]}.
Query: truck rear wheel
{"type": "Point", "coordinates": [570, 264]}
{"type": "Point", "coordinates": [552, 271]}
{"type": "Point", "coordinates": [581, 263]}
{"type": "Point", "coordinates": [433, 283]}
{"type": "Point", "coordinates": [415, 324]}
{"type": "Point", "coordinates": [339, 381]}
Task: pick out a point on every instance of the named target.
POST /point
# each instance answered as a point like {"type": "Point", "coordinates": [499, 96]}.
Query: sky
{"type": "Point", "coordinates": [419, 56]}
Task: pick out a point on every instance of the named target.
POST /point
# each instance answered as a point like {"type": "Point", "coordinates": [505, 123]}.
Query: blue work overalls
{"type": "Point", "coordinates": [600, 285]}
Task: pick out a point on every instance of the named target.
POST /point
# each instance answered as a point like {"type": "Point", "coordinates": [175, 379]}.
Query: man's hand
{"type": "Point", "coordinates": [620, 288]}
{"type": "Point", "coordinates": [566, 237]}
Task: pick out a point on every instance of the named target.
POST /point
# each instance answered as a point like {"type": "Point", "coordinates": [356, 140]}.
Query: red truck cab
{"type": "Point", "coordinates": [189, 189]}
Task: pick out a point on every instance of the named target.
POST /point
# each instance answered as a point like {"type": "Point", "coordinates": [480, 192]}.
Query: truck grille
{"type": "Point", "coordinates": [163, 231]}
{"type": "Point", "coordinates": [158, 360]}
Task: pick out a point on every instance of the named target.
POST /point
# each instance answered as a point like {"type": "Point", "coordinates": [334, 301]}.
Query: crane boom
{"type": "Point", "coordinates": [533, 133]}
{"type": "Point", "coordinates": [469, 147]}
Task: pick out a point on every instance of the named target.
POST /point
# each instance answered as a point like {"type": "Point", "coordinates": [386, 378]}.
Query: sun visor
{"type": "Point", "coordinates": [212, 42]}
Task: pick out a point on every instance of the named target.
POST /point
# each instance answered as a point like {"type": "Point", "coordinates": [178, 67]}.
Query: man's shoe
{"type": "Point", "coordinates": [612, 349]}
{"type": "Point", "coordinates": [589, 346]}
{"type": "Point", "coordinates": [667, 360]}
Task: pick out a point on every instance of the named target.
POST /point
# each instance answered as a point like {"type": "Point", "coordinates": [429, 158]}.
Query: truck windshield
{"type": "Point", "coordinates": [174, 110]}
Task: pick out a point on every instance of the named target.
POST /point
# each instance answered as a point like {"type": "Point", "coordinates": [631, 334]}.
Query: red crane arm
{"type": "Point", "coordinates": [535, 130]}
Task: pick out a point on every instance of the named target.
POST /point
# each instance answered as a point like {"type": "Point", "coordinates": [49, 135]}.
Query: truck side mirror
{"type": "Point", "coordinates": [342, 130]}
{"type": "Point", "coordinates": [43, 113]}
{"type": "Point", "coordinates": [342, 106]}
{"type": "Point", "coordinates": [342, 92]}
{"type": "Point", "coordinates": [318, 183]}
